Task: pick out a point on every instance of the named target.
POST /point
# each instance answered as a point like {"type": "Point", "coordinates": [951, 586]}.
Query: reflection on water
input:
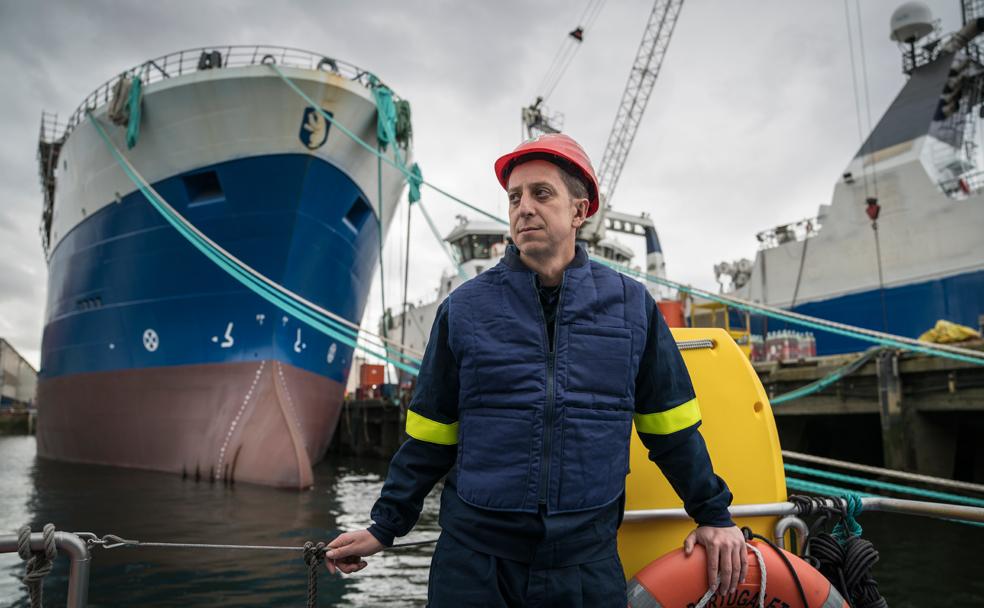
{"type": "Point", "coordinates": [924, 562]}
{"type": "Point", "coordinates": [159, 507]}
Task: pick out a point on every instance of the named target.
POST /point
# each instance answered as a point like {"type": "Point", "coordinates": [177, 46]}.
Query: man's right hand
{"type": "Point", "coordinates": [345, 553]}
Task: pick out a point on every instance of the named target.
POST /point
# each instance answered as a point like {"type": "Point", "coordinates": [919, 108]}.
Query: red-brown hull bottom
{"type": "Point", "coordinates": [261, 422]}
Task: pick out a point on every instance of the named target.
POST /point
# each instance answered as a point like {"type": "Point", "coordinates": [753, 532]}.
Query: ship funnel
{"type": "Point", "coordinates": [910, 22]}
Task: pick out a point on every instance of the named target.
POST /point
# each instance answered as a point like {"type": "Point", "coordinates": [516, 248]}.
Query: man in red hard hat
{"type": "Point", "coordinates": [533, 375]}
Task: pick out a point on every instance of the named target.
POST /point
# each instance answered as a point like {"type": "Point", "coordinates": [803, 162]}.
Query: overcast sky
{"type": "Point", "coordinates": [750, 123]}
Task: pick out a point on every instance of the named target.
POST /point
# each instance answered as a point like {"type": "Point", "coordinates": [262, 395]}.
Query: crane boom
{"type": "Point", "coordinates": [642, 77]}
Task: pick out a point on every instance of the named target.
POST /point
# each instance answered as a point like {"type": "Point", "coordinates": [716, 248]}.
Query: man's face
{"type": "Point", "coordinates": [542, 214]}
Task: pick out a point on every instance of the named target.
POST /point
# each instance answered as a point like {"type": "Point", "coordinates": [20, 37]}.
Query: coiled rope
{"type": "Point", "coordinates": [842, 556]}
{"type": "Point", "coordinates": [848, 567]}
{"type": "Point", "coordinates": [38, 564]}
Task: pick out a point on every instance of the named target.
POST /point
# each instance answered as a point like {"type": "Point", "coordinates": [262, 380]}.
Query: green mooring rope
{"type": "Point", "coordinates": [884, 485]}
{"type": "Point", "coordinates": [775, 313]}
{"type": "Point", "coordinates": [398, 166]}
{"type": "Point", "coordinates": [831, 378]}
{"type": "Point", "coordinates": [224, 260]}
{"type": "Point", "coordinates": [822, 489]}
{"type": "Point", "coordinates": [847, 331]}
{"type": "Point", "coordinates": [849, 526]}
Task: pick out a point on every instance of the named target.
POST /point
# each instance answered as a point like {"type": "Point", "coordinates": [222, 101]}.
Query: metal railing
{"type": "Point", "coordinates": [870, 503]}
{"type": "Point", "coordinates": [193, 60]}
{"type": "Point", "coordinates": [788, 233]}
{"type": "Point", "coordinates": [963, 186]}
{"type": "Point", "coordinates": [77, 551]}
{"type": "Point", "coordinates": [77, 545]}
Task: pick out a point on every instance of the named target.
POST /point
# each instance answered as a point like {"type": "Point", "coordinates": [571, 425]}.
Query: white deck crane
{"type": "Point", "coordinates": [642, 77]}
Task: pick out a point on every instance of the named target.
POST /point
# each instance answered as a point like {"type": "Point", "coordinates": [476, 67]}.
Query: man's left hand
{"type": "Point", "coordinates": [726, 563]}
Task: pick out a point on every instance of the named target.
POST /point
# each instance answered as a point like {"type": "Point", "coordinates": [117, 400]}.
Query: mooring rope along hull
{"type": "Point", "coordinates": [153, 356]}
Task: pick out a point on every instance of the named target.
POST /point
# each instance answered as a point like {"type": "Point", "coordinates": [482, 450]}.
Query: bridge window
{"type": "Point", "coordinates": [476, 246]}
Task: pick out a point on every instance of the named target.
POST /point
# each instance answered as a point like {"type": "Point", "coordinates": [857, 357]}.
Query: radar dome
{"type": "Point", "coordinates": [911, 21]}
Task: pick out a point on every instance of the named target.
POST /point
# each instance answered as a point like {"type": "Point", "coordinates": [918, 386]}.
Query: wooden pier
{"type": "Point", "coordinates": [17, 422]}
{"type": "Point", "coordinates": [910, 412]}
{"type": "Point", "coordinates": [369, 427]}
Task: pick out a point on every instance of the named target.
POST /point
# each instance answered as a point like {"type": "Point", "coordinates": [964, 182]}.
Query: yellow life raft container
{"type": "Point", "coordinates": [741, 437]}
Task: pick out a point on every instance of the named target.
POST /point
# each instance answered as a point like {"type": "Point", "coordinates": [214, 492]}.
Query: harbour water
{"type": "Point", "coordinates": [924, 563]}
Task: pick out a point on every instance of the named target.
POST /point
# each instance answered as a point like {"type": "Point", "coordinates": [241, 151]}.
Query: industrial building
{"type": "Point", "coordinates": [18, 379]}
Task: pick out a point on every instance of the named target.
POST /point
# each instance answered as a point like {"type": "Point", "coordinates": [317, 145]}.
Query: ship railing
{"type": "Point", "coordinates": [77, 546]}
{"type": "Point", "coordinates": [788, 233]}
{"type": "Point", "coordinates": [964, 185]}
{"type": "Point", "coordinates": [49, 148]}
{"type": "Point", "coordinates": [65, 543]}
{"type": "Point", "coordinates": [188, 61]}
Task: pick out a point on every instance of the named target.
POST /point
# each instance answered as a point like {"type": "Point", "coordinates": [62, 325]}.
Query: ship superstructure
{"type": "Point", "coordinates": [478, 245]}
{"type": "Point", "coordinates": [152, 356]}
{"type": "Point", "coordinates": [899, 246]}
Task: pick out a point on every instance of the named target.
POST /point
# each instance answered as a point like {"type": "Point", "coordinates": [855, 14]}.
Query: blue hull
{"type": "Point", "coordinates": [910, 310]}
{"type": "Point", "coordinates": [126, 291]}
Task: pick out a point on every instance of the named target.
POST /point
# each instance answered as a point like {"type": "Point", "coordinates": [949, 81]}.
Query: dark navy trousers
{"type": "Point", "coordinates": [461, 577]}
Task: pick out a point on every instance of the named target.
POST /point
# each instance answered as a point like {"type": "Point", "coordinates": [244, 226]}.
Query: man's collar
{"type": "Point", "coordinates": [513, 260]}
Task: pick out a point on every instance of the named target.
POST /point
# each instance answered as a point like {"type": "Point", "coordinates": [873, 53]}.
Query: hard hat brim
{"type": "Point", "coordinates": [506, 162]}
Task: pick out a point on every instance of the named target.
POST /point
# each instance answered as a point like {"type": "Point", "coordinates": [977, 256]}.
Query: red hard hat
{"type": "Point", "coordinates": [559, 148]}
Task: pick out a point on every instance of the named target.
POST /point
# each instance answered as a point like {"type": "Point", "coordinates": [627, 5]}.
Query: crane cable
{"type": "Point", "coordinates": [568, 48]}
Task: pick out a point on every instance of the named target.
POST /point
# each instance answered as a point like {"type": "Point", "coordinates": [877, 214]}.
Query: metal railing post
{"type": "Point", "coordinates": [78, 554]}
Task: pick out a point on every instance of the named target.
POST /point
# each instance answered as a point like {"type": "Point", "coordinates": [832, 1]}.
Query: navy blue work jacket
{"type": "Point", "coordinates": [531, 423]}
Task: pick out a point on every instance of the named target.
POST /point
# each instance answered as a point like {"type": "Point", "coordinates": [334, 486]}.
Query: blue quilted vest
{"type": "Point", "coordinates": [541, 427]}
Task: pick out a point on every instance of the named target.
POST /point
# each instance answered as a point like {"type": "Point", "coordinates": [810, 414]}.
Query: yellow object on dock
{"type": "Point", "coordinates": [741, 437]}
{"type": "Point", "coordinates": [947, 332]}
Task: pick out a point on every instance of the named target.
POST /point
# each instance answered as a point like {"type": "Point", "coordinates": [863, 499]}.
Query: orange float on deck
{"type": "Point", "coordinates": [678, 581]}
{"type": "Point", "coordinates": [673, 312]}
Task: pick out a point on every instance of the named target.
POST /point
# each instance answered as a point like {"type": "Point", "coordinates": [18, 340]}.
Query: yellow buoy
{"type": "Point", "coordinates": [741, 437]}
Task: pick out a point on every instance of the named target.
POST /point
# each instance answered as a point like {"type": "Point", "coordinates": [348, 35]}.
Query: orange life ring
{"type": "Point", "coordinates": [678, 581]}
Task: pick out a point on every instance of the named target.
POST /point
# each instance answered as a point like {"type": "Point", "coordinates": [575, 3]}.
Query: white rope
{"type": "Point", "coordinates": [712, 591]}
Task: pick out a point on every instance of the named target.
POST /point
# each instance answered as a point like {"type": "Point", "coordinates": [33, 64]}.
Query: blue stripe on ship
{"type": "Point", "coordinates": [123, 271]}
{"type": "Point", "coordinates": [910, 309]}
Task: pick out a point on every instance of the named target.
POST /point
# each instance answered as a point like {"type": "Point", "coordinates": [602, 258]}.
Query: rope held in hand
{"type": "Point", "coordinates": [314, 555]}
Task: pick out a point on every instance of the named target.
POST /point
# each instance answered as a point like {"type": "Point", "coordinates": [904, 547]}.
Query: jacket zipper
{"type": "Point", "coordinates": [548, 412]}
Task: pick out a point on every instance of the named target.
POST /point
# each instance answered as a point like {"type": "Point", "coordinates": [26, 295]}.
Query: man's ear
{"type": "Point", "coordinates": [580, 212]}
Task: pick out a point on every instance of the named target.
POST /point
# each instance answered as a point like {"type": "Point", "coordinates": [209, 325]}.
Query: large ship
{"type": "Point", "coordinates": [152, 356]}
{"type": "Point", "coordinates": [899, 246]}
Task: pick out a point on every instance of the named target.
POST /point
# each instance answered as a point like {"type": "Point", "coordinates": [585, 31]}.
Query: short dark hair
{"type": "Point", "coordinates": [569, 174]}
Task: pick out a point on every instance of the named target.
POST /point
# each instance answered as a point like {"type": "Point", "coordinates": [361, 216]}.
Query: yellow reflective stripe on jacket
{"type": "Point", "coordinates": [431, 431]}
{"type": "Point", "coordinates": [672, 420]}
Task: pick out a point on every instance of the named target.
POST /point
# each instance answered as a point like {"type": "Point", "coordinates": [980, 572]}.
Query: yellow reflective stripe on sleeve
{"type": "Point", "coordinates": [672, 420]}
{"type": "Point", "coordinates": [431, 431]}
